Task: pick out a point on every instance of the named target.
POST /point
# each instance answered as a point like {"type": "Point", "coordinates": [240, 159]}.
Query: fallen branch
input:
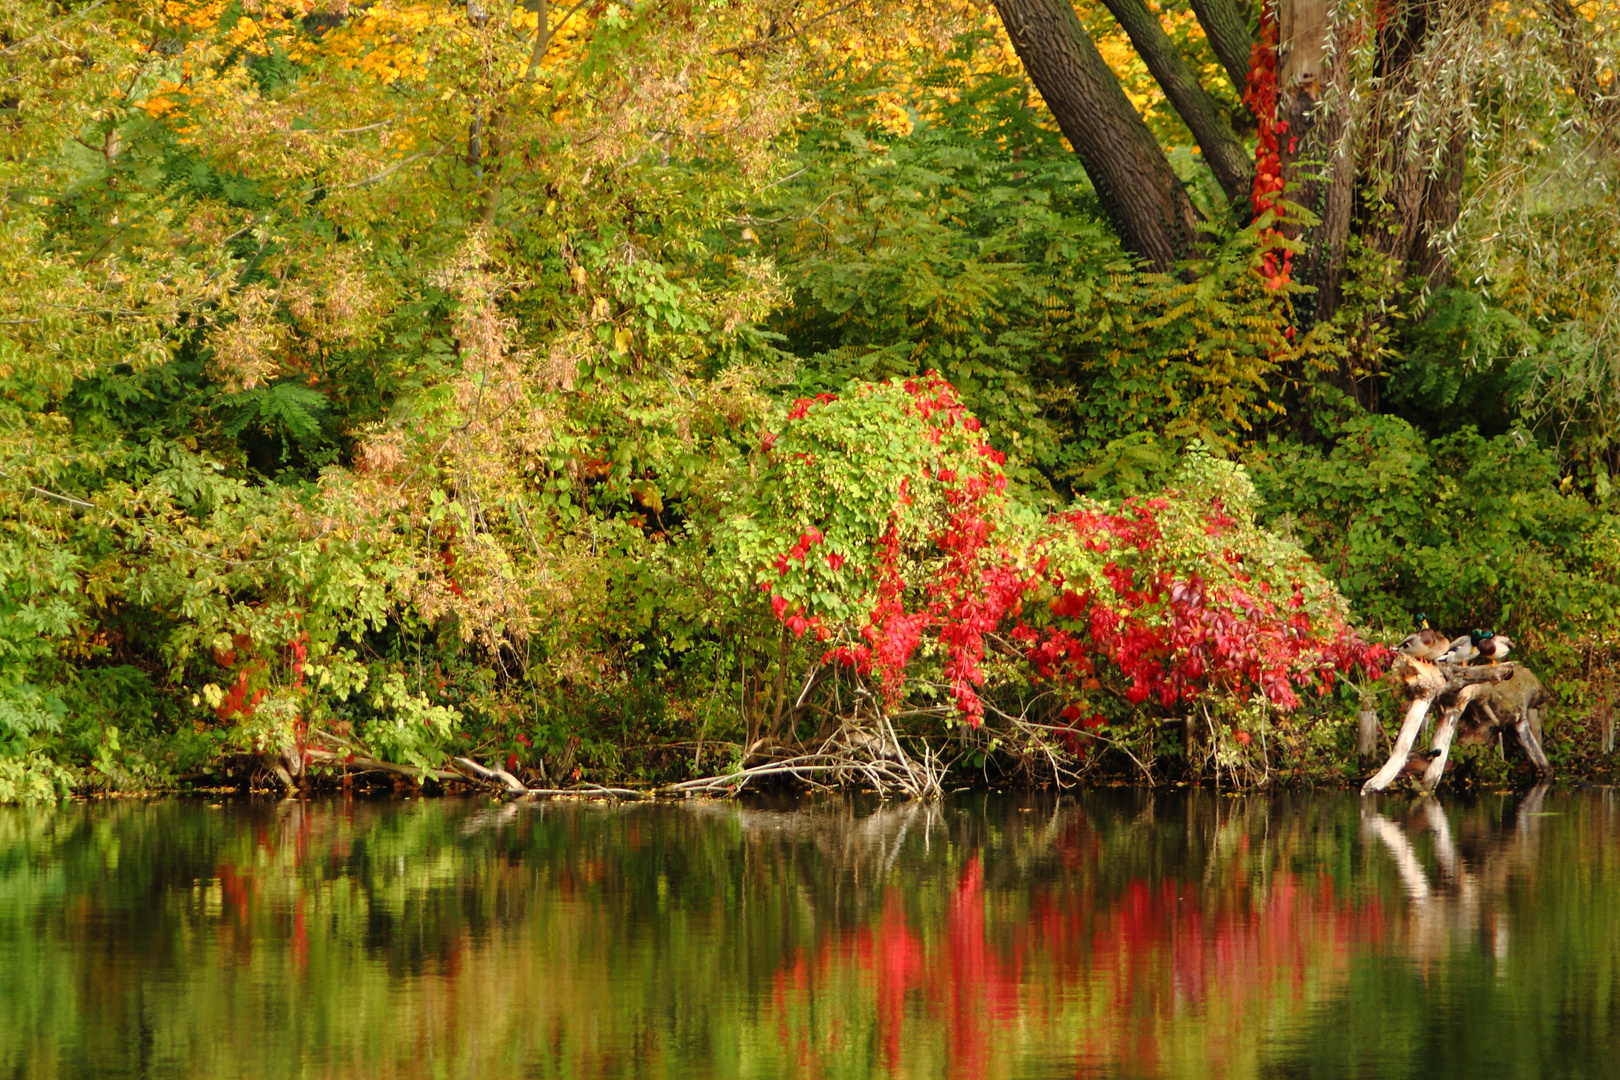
{"type": "Point", "coordinates": [512, 784]}
{"type": "Point", "coordinates": [360, 763]}
{"type": "Point", "coordinates": [592, 791]}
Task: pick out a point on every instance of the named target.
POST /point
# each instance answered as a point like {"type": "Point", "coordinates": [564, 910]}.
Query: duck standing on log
{"type": "Point", "coordinates": [1461, 650]}
{"type": "Point", "coordinates": [1426, 644]}
{"type": "Point", "coordinates": [1491, 646]}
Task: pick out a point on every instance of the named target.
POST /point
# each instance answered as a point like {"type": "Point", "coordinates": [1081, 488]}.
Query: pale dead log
{"type": "Point", "coordinates": [590, 791]}
{"type": "Point", "coordinates": [1453, 688]}
{"type": "Point", "coordinates": [512, 784]}
{"type": "Point", "coordinates": [1446, 730]}
{"type": "Point", "coordinates": [1423, 682]}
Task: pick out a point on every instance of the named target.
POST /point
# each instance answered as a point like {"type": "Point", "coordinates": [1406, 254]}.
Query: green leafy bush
{"type": "Point", "coordinates": [1474, 531]}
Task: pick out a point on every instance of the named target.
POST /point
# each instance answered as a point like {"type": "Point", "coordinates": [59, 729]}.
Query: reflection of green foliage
{"type": "Point", "coordinates": [1182, 936]}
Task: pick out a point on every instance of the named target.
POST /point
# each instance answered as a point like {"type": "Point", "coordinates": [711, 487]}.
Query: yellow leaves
{"type": "Point", "coordinates": [1123, 60]}
{"type": "Point", "coordinates": [164, 101]}
{"type": "Point", "coordinates": [892, 115]}
{"type": "Point", "coordinates": [197, 16]}
{"type": "Point", "coordinates": [393, 41]}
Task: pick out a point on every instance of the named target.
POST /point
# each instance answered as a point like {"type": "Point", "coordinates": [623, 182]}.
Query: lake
{"type": "Point", "coordinates": [1118, 933]}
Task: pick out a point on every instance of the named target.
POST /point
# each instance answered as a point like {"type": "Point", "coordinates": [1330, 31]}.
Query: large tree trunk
{"type": "Point", "coordinates": [1410, 176]}
{"type": "Point", "coordinates": [1315, 161]}
{"type": "Point", "coordinates": [1228, 159]}
{"type": "Point", "coordinates": [1139, 190]}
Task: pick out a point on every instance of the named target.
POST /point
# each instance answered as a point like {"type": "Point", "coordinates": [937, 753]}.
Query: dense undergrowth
{"type": "Point", "coordinates": [643, 426]}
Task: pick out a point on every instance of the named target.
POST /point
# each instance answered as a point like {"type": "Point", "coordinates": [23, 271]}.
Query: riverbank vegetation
{"type": "Point", "coordinates": [633, 393]}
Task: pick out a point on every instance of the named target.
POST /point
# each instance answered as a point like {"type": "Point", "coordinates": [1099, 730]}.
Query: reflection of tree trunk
{"type": "Point", "coordinates": [1465, 897]}
{"type": "Point", "coordinates": [1132, 177]}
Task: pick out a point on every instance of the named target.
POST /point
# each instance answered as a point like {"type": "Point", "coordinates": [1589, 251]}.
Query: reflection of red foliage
{"type": "Point", "coordinates": [1152, 953]}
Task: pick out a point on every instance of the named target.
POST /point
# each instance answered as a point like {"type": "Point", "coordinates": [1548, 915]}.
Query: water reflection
{"type": "Point", "coordinates": [1464, 899]}
{"type": "Point", "coordinates": [1122, 934]}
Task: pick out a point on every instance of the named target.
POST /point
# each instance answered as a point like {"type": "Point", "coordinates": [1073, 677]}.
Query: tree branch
{"type": "Point", "coordinates": [1604, 109]}
{"type": "Point", "coordinates": [1228, 160]}
{"type": "Point", "coordinates": [1228, 33]}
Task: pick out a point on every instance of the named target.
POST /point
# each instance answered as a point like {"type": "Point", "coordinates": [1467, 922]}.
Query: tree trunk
{"type": "Point", "coordinates": [1315, 163]}
{"type": "Point", "coordinates": [1228, 32]}
{"type": "Point", "coordinates": [1227, 158]}
{"type": "Point", "coordinates": [1133, 179]}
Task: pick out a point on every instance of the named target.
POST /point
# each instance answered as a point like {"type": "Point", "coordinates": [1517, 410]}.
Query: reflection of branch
{"type": "Point", "coordinates": [1400, 848]}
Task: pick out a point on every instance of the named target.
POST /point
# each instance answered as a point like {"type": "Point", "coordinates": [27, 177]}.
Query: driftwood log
{"type": "Point", "coordinates": [1493, 698]}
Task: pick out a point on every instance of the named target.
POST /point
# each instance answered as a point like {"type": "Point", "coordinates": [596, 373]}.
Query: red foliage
{"type": "Point", "coordinates": [1161, 633]}
{"type": "Point", "coordinates": [973, 592]}
{"type": "Point", "coordinates": [1171, 638]}
{"type": "Point", "coordinates": [1261, 98]}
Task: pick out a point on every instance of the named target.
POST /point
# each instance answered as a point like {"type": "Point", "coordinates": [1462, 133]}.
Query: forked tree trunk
{"type": "Point", "coordinates": [1228, 32]}
{"type": "Point", "coordinates": [1354, 154]}
{"type": "Point", "coordinates": [1223, 150]}
{"type": "Point", "coordinates": [1133, 179]}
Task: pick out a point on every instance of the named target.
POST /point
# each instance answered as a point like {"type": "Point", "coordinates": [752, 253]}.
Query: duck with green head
{"type": "Point", "coordinates": [1426, 643]}
{"type": "Point", "coordinates": [1491, 646]}
{"type": "Point", "coordinates": [1461, 649]}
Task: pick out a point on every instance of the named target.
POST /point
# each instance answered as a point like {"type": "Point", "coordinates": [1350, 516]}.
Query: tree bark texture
{"type": "Point", "coordinates": [1225, 153]}
{"type": "Point", "coordinates": [1415, 173]}
{"type": "Point", "coordinates": [1315, 162]}
{"type": "Point", "coordinates": [1139, 190]}
{"type": "Point", "coordinates": [1228, 32]}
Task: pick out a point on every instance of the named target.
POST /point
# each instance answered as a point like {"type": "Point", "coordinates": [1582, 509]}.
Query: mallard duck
{"type": "Point", "coordinates": [1491, 646]}
{"type": "Point", "coordinates": [1417, 763]}
{"type": "Point", "coordinates": [1461, 650]}
{"type": "Point", "coordinates": [1426, 644]}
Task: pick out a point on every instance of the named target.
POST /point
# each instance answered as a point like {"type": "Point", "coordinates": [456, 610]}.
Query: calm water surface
{"type": "Point", "coordinates": [1117, 934]}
